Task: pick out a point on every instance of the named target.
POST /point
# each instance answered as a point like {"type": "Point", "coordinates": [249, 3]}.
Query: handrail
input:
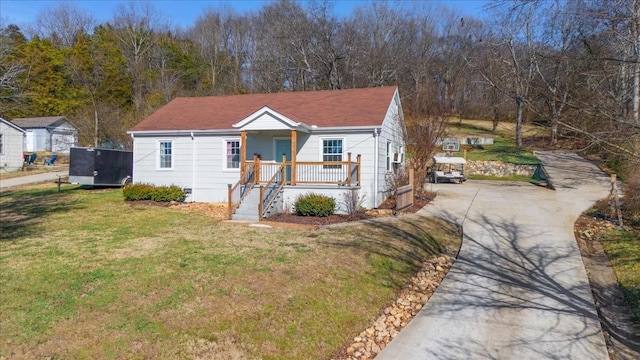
{"type": "Point", "coordinates": [248, 180]}
{"type": "Point", "coordinates": [267, 199]}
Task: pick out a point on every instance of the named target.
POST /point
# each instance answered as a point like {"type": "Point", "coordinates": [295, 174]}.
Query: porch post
{"type": "Point", "coordinates": [243, 153]}
{"type": "Point", "coordinates": [358, 158]}
{"type": "Point", "coordinates": [260, 205]}
{"type": "Point", "coordinates": [349, 169]}
{"type": "Point", "coordinates": [230, 202]}
{"type": "Point", "coordinates": [294, 147]}
{"type": "Point", "coordinates": [256, 169]}
{"type": "Point", "coordinates": [284, 168]}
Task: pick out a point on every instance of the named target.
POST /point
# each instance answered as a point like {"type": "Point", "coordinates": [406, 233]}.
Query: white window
{"type": "Point", "coordinates": [232, 152]}
{"type": "Point", "coordinates": [1, 145]}
{"type": "Point", "coordinates": [331, 151]}
{"type": "Point", "coordinates": [389, 155]}
{"type": "Point", "coordinates": [165, 152]}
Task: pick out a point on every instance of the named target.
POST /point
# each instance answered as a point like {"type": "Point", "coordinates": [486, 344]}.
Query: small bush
{"type": "Point", "coordinates": [315, 205]}
{"type": "Point", "coordinates": [168, 193]}
{"type": "Point", "coordinates": [353, 201]}
{"type": "Point", "coordinates": [139, 192]}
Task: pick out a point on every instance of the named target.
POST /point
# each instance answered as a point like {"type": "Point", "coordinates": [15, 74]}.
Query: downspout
{"type": "Point", "coordinates": [193, 166]}
{"type": "Point", "coordinates": [133, 165]}
{"type": "Point", "coordinates": [376, 172]}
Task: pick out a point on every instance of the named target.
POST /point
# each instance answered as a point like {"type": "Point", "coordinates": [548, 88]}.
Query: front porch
{"type": "Point", "coordinates": [269, 178]}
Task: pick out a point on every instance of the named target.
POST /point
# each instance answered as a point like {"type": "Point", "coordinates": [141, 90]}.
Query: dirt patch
{"type": "Point", "coordinates": [621, 333]}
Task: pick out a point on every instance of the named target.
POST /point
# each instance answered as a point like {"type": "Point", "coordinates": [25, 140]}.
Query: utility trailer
{"type": "Point", "coordinates": [100, 167]}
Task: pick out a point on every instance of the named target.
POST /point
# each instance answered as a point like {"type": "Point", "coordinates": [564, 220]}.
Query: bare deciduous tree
{"type": "Point", "coordinates": [62, 23]}
{"type": "Point", "coordinates": [10, 69]}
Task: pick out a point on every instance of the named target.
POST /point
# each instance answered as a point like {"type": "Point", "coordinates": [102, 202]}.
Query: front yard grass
{"type": "Point", "coordinates": [85, 275]}
{"type": "Point", "coordinates": [623, 250]}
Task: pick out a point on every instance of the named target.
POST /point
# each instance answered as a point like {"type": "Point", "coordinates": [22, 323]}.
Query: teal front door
{"type": "Point", "coordinates": [283, 146]}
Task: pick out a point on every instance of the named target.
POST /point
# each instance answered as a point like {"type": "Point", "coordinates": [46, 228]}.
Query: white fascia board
{"type": "Point", "coordinates": [151, 133]}
{"type": "Point", "coordinates": [343, 129]}
{"type": "Point", "coordinates": [10, 124]}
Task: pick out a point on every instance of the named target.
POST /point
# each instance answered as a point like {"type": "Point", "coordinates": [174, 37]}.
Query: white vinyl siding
{"type": "Point", "coordinates": [11, 155]}
{"type": "Point", "coordinates": [165, 154]}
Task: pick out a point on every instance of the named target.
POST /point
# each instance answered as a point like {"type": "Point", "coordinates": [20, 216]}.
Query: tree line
{"type": "Point", "coordinates": [573, 66]}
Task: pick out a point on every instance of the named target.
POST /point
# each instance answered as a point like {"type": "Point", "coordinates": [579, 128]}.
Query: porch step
{"type": "Point", "coordinates": [248, 209]}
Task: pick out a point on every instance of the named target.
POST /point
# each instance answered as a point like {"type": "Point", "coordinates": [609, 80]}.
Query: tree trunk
{"type": "Point", "coordinates": [95, 129]}
{"type": "Point", "coordinates": [518, 121]}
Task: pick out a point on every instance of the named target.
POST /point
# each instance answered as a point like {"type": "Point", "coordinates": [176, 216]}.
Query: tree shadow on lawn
{"type": "Point", "coordinates": [22, 211]}
{"type": "Point", "coordinates": [408, 239]}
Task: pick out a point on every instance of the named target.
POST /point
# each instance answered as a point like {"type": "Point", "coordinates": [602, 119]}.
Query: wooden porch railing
{"type": "Point", "coordinates": [310, 172]}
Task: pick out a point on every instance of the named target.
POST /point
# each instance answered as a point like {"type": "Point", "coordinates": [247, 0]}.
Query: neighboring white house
{"type": "Point", "coordinates": [51, 133]}
{"type": "Point", "coordinates": [333, 141]}
{"type": "Point", "coordinates": [11, 137]}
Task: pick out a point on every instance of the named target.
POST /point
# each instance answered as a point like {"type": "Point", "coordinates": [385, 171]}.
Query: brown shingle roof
{"type": "Point", "coordinates": [327, 108]}
{"type": "Point", "coordinates": [39, 122]}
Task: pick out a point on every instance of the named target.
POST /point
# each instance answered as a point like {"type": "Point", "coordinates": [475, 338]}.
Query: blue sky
{"type": "Point", "coordinates": [184, 13]}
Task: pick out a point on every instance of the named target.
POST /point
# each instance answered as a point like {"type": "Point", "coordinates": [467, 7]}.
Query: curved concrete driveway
{"type": "Point", "coordinates": [518, 289]}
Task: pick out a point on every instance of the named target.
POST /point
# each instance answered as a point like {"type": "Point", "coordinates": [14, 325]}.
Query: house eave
{"type": "Point", "coordinates": [344, 129]}
{"type": "Point", "coordinates": [151, 133]}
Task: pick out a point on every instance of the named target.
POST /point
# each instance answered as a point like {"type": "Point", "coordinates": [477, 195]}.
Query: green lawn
{"type": "Point", "coordinates": [623, 250]}
{"type": "Point", "coordinates": [503, 148]}
{"type": "Point", "coordinates": [84, 275]}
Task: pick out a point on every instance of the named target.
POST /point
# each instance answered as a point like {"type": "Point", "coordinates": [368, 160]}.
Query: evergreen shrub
{"type": "Point", "coordinates": [314, 205]}
{"type": "Point", "coordinates": [139, 192]}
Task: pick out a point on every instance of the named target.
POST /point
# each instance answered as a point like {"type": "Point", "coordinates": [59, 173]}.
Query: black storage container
{"type": "Point", "coordinates": [100, 167]}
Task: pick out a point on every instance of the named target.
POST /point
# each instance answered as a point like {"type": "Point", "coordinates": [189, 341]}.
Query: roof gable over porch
{"type": "Point", "coordinates": [269, 119]}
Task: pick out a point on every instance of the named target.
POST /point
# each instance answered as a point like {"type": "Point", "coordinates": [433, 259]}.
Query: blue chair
{"type": "Point", "coordinates": [29, 159]}
{"type": "Point", "coordinates": [51, 160]}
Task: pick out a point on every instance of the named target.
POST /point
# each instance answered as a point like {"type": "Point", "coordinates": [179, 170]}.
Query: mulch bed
{"type": "Point", "coordinates": [421, 199]}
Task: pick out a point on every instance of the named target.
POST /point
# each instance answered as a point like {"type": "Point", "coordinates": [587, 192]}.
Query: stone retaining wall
{"type": "Point", "coordinates": [498, 168]}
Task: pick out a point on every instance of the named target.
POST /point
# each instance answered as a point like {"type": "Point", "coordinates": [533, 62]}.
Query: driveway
{"type": "Point", "coordinates": [518, 289]}
{"type": "Point", "coordinates": [7, 184]}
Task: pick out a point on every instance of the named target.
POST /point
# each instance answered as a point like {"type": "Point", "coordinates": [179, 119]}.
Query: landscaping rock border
{"type": "Point", "coordinates": [394, 317]}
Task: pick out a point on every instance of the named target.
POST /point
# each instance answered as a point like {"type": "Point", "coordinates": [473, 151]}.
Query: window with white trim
{"type": "Point", "coordinates": [165, 152]}
{"type": "Point", "coordinates": [389, 155]}
{"type": "Point", "coordinates": [331, 151]}
{"type": "Point", "coordinates": [1, 145]}
{"type": "Point", "coordinates": [232, 152]}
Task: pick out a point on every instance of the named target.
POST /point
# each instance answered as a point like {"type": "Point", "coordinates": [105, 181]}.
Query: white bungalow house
{"type": "Point", "coordinates": [11, 158]}
{"type": "Point", "coordinates": [259, 152]}
{"type": "Point", "coordinates": [48, 133]}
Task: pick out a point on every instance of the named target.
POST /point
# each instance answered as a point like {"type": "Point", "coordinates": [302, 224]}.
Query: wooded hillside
{"type": "Point", "coordinates": [573, 66]}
